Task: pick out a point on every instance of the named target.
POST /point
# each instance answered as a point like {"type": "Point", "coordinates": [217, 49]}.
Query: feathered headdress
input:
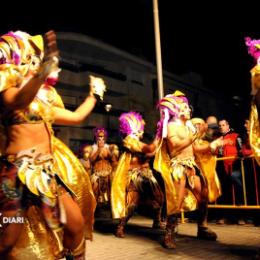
{"type": "Point", "coordinates": [99, 130]}
{"type": "Point", "coordinates": [172, 102]}
{"type": "Point", "coordinates": [131, 123]}
{"type": "Point", "coordinates": [171, 106]}
{"type": "Point", "coordinates": [18, 47]}
{"type": "Point", "coordinates": [253, 48]}
{"type": "Point", "coordinates": [20, 53]}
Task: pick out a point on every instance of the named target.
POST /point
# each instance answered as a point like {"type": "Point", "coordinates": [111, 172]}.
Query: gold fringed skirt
{"type": "Point", "coordinates": [76, 178]}
{"type": "Point", "coordinates": [37, 241]}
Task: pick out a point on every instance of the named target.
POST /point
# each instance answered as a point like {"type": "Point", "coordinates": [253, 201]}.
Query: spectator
{"type": "Point", "coordinates": [229, 170]}
{"type": "Point", "coordinates": [213, 129]}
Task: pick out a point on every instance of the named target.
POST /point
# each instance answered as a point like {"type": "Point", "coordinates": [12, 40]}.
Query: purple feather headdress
{"type": "Point", "coordinates": [172, 106]}
{"type": "Point", "coordinates": [98, 130]}
{"type": "Point", "coordinates": [253, 47]}
{"type": "Point", "coordinates": [159, 129]}
{"type": "Point", "coordinates": [172, 103]}
{"type": "Point", "coordinates": [130, 123]}
{"type": "Point", "coordinates": [15, 56]}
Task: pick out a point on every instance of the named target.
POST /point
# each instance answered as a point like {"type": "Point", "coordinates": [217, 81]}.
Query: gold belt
{"type": "Point", "coordinates": [36, 160]}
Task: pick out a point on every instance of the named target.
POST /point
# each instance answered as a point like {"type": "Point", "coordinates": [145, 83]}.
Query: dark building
{"type": "Point", "coordinates": [131, 82]}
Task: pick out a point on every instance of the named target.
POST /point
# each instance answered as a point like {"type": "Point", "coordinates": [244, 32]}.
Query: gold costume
{"type": "Point", "coordinates": [254, 132]}
{"type": "Point", "coordinates": [37, 241]}
{"type": "Point", "coordinates": [254, 120]}
{"type": "Point", "coordinates": [172, 171]}
{"type": "Point", "coordinates": [118, 189]}
{"type": "Point", "coordinates": [102, 171]}
{"type": "Point", "coordinates": [133, 180]}
{"type": "Point", "coordinates": [176, 128]}
{"type": "Point", "coordinates": [206, 162]}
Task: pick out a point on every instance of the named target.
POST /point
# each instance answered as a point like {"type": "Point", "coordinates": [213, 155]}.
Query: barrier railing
{"type": "Point", "coordinates": [244, 188]}
{"type": "Point", "coordinates": [234, 206]}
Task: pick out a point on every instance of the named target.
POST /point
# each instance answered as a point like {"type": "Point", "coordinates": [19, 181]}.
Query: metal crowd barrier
{"type": "Point", "coordinates": [255, 185]}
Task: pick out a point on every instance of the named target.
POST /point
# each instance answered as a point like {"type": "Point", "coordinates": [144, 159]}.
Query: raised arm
{"type": "Point", "coordinates": [67, 117]}
{"type": "Point", "coordinates": [200, 147]}
{"type": "Point", "coordinates": [25, 88]}
{"type": "Point", "coordinates": [135, 145]}
{"type": "Point", "coordinates": [149, 149]}
{"type": "Point", "coordinates": [17, 98]}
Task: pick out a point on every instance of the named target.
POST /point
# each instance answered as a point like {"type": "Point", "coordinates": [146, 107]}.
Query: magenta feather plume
{"type": "Point", "coordinates": [97, 130]}
{"type": "Point", "coordinates": [252, 47]}
{"type": "Point", "coordinates": [130, 122]}
{"type": "Point", "coordinates": [159, 128]}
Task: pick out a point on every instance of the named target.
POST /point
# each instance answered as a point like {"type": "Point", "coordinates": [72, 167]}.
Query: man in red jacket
{"type": "Point", "coordinates": [229, 170]}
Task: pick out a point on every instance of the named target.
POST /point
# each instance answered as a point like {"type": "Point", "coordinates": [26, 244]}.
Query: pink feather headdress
{"type": "Point", "coordinates": [253, 47]}
{"type": "Point", "coordinates": [98, 130]}
{"type": "Point", "coordinates": [131, 123]}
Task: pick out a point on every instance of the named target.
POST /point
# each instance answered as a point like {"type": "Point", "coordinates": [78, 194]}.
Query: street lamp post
{"type": "Point", "coordinates": [158, 49]}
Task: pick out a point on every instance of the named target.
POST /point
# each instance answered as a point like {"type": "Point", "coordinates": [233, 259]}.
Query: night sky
{"type": "Point", "coordinates": [204, 38]}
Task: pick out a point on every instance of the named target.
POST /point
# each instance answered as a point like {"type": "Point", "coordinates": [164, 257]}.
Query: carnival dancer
{"type": "Point", "coordinates": [254, 132]}
{"type": "Point", "coordinates": [205, 158]}
{"type": "Point", "coordinates": [41, 179]}
{"type": "Point", "coordinates": [104, 159]}
{"type": "Point", "coordinates": [254, 119]}
{"type": "Point", "coordinates": [133, 180]}
{"type": "Point", "coordinates": [185, 187]}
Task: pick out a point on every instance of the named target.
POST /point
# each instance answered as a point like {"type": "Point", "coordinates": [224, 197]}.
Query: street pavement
{"type": "Point", "coordinates": [144, 243]}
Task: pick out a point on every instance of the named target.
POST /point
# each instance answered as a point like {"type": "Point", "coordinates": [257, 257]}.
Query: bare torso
{"type": "Point", "coordinates": [25, 136]}
{"type": "Point", "coordinates": [102, 161]}
{"type": "Point", "coordinates": [179, 140]}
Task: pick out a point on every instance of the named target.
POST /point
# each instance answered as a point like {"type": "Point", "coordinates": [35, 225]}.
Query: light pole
{"type": "Point", "coordinates": [158, 49]}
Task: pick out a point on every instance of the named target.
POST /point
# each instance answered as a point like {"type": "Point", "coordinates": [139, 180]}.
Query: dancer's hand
{"type": "Point", "coordinates": [50, 45]}
{"type": "Point", "coordinates": [50, 60]}
{"type": "Point", "coordinates": [132, 144]}
{"type": "Point", "coordinates": [97, 87]}
{"type": "Point", "coordinates": [216, 144]}
{"type": "Point", "coordinates": [48, 67]}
